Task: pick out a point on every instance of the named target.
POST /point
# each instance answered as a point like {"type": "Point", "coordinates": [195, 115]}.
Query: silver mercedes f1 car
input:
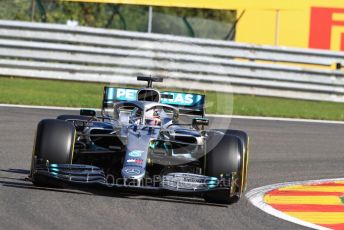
{"type": "Point", "coordinates": [137, 143]}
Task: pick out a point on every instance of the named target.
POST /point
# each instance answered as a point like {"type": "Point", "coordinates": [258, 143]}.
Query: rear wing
{"type": "Point", "coordinates": [188, 103]}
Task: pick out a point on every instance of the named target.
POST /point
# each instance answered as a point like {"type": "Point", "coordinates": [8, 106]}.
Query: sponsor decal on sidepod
{"type": "Point", "coordinates": [135, 153]}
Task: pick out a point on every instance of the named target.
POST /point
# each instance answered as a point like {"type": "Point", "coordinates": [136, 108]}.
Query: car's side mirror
{"type": "Point", "coordinates": [199, 123]}
{"type": "Point", "coordinates": [88, 112]}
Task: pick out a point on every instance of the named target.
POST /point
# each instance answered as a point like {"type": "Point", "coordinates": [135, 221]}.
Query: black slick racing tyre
{"type": "Point", "coordinates": [245, 140]}
{"type": "Point", "coordinates": [54, 144]}
{"type": "Point", "coordinates": [224, 158]}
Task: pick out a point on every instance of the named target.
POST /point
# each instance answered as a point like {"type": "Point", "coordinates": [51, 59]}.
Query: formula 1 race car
{"type": "Point", "coordinates": [137, 143]}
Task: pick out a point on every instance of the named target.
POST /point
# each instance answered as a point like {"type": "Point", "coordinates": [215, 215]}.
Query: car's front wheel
{"type": "Point", "coordinates": [54, 144]}
{"type": "Point", "coordinates": [225, 160]}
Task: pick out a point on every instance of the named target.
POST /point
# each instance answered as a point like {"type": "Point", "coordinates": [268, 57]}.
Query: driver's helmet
{"type": "Point", "coordinates": [152, 117]}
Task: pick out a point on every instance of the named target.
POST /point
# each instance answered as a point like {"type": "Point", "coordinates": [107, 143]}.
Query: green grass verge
{"type": "Point", "coordinates": [76, 94]}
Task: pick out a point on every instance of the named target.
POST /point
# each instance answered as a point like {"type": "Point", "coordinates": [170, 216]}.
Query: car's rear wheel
{"type": "Point", "coordinates": [225, 160]}
{"type": "Point", "coordinates": [54, 144]}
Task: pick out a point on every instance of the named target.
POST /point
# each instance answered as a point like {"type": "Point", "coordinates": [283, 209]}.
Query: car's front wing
{"type": "Point", "coordinates": [173, 183]}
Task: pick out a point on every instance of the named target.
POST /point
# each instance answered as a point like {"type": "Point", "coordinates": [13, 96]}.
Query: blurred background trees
{"type": "Point", "coordinates": [217, 24]}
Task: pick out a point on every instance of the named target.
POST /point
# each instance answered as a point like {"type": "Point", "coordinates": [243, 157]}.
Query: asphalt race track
{"type": "Point", "coordinates": [280, 151]}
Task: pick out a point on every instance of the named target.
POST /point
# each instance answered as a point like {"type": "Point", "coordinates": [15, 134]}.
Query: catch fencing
{"type": "Point", "coordinates": [51, 51]}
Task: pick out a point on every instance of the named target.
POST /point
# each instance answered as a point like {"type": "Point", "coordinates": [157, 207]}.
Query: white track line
{"type": "Point", "coordinates": [256, 197]}
{"type": "Point", "coordinates": [278, 119]}
{"type": "Point", "coordinates": [210, 115]}
{"type": "Point", "coordinates": [38, 107]}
